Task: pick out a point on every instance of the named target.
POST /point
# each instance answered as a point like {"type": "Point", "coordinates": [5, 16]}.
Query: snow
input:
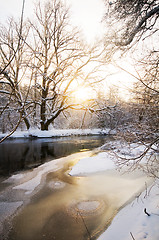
{"type": "Point", "coordinates": [7, 209]}
{"type": "Point", "coordinates": [132, 219]}
{"type": "Point", "coordinates": [106, 160]}
{"type": "Point", "coordinates": [14, 177]}
{"type": "Point", "coordinates": [56, 185]}
{"type": "Point", "coordinates": [130, 222]}
{"type": "Point", "coordinates": [36, 133]}
{"type": "Point", "coordinates": [88, 205]}
{"type": "Point", "coordinates": [30, 180]}
{"type": "Point", "coordinates": [30, 185]}
{"type": "Point", "coordinates": [101, 162]}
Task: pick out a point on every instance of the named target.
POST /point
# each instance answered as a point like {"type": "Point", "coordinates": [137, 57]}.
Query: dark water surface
{"type": "Point", "coordinates": [18, 154]}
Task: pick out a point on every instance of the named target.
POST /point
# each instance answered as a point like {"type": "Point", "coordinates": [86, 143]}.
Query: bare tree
{"type": "Point", "coordinates": [147, 91]}
{"type": "Point", "coordinates": [13, 109]}
{"type": "Point", "coordinates": [46, 62]}
{"type": "Point", "coordinates": [134, 25]}
{"type": "Point", "coordinates": [11, 78]}
{"type": "Point", "coordinates": [60, 60]}
{"type": "Point", "coordinates": [3, 68]}
{"type": "Point", "coordinates": [135, 18]}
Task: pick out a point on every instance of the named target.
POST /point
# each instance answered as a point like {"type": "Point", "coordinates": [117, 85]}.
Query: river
{"type": "Point", "coordinates": [23, 154]}
{"type": "Point", "coordinates": [42, 201]}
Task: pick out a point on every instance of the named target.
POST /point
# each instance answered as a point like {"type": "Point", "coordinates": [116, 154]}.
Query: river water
{"type": "Point", "coordinates": [45, 202]}
{"type": "Point", "coordinates": [18, 154]}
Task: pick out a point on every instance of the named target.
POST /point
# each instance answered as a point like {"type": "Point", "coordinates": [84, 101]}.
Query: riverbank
{"type": "Point", "coordinates": [139, 218]}
{"type": "Point", "coordinates": [132, 222]}
{"type": "Point", "coordinates": [52, 133]}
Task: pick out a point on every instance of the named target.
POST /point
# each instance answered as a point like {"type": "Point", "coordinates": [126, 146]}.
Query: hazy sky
{"type": "Point", "coordinates": [85, 13]}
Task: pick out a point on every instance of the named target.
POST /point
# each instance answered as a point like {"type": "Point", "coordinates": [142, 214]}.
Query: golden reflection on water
{"type": "Point", "coordinates": [71, 208]}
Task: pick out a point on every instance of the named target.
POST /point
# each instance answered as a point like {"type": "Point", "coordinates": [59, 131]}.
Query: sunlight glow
{"type": "Point", "coordinates": [83, 94]}
{"type": "Point", "coordinates": [88, 14]}
{"type": "Point", "coordinates": [120, 81]}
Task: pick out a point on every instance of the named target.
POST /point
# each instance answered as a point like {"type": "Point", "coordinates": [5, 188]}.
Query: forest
{"type": "Point", "coordinates": [44, 61]}
{"type": "Point", "coordinates": [84, 162]}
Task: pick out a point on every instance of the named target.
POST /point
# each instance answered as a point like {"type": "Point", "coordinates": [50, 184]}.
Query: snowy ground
{"type": "Point", "coordinates": [131, 222]}
{"type": "Point", "coordinates": [101, 162]}
{"type": "Point", "coordinates": [36, 133]}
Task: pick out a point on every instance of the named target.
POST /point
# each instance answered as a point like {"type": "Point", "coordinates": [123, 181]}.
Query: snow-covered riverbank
{"type": "Point", "coordinates": [131, 222]}
{"type": "Point", "coordinates": [36, 133]}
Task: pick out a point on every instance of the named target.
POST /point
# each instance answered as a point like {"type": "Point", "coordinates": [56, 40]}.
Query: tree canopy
{"type": "Point", "coordinates": [132, 18]}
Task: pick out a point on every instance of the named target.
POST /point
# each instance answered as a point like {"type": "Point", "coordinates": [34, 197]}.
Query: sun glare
{"type": "Point", "coordinates": [83, 94]}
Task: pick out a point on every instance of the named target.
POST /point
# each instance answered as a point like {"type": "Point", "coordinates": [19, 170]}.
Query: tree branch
{"type": "Point", "coordinates": [138, 27]}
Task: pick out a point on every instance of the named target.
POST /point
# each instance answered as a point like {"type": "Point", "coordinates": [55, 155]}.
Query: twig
{"type": "Point", "coordinates": [2, 71]}
{"type": "Point", "coordinates": [13, 130]}
{"type": "Point", "coordinates": [145, 211]}
{"type": "Point", "coordinates": [132, 236]}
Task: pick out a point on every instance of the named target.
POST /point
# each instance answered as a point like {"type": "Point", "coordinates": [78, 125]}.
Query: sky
{"type": "Point", "coordinates": [87, 14]}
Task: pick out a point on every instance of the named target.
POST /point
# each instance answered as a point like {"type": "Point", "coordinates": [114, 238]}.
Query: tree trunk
{"type": "Point", "coordinates": [43, 108]}
{"type": "Point", "coordinates": [27, 123]}
{"type": "Point", "coordinates": [44, 127]}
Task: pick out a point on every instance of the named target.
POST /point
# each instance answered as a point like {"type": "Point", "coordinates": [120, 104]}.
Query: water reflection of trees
{"type": "Point", "coordinates": [21, 156]}
{"type": "Point", "coordinates": [18, 155]}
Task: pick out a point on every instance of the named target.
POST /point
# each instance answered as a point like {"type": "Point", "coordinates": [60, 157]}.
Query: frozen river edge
{"type": "Point", "coordinates": [131, 222]}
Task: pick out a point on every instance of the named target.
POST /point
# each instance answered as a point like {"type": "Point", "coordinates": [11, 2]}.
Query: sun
{"type": "Point", "coordinates": [83, 94]}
